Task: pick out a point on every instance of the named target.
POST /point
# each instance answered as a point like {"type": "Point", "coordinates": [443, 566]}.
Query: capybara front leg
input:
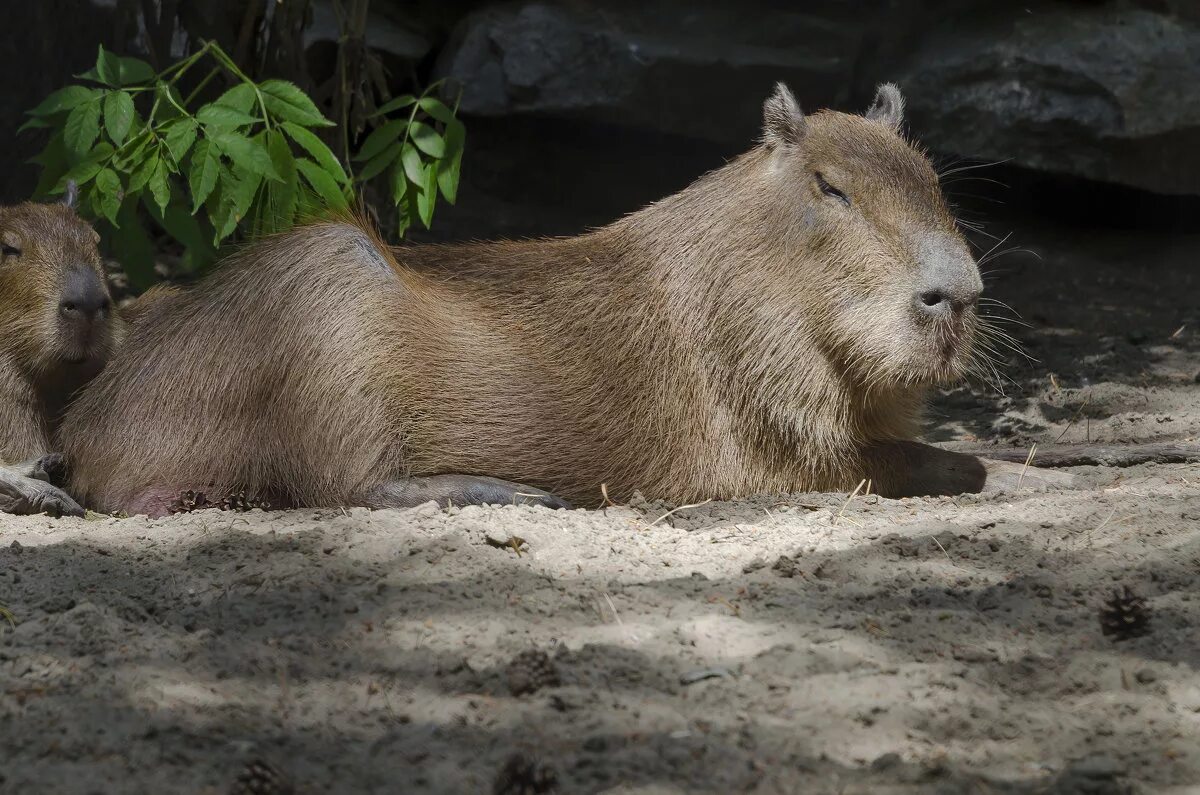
{"type": "Point", "coordinates": [456, 490]}
{"type": "Point", "coordinates": [24, 495]}
{"type": "Point", "coordinates": [912, 469]}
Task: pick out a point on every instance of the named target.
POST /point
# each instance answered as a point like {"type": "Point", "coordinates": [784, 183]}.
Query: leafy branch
{"type": "Point", "coordinates": [250, 161]}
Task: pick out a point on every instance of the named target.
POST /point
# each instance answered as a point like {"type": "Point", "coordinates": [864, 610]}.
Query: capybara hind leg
{"type": "Point", "coordinates": [456, 490]}
{"type": "Point", "coordinates": [25, 495]}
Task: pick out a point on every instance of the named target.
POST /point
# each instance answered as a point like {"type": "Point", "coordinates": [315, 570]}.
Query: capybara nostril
{"type": "Point", "coordinates": [932, 298]}
{"type": "Point", "coordinates": [937, 302]}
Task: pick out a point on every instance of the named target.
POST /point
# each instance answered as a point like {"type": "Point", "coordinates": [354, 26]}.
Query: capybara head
{"type": "Point", "coordinates": [892, 281]}
{"type": "Point", "coordinates": [55, 308]}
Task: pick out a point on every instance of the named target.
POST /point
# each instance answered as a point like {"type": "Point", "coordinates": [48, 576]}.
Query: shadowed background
{"type": "Point", "coordinates": [580, 111]}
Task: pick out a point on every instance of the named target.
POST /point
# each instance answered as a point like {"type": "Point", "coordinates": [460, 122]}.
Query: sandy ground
{"type": "Point", "coordinates": [801, 644]}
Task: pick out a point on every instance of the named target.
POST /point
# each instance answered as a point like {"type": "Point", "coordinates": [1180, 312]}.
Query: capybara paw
{"type": "Point", "coordinates": [1010, 476]}
{"type": "Point", "coordinates": [40, 497]}
{"type": "Point", "coordinates": [493, 491]}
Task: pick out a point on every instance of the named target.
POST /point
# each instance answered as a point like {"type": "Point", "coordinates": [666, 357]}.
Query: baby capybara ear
{"type": "Point", "coordinates": [888, 107]}
{"type": "Point", "coordinates": [783, 121]}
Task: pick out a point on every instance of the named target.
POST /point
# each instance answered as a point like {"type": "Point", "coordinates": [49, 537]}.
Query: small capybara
{"type": "Point", "coordinates": [57, 330]}
{"type": "Point", "coordinates": [774, 327]}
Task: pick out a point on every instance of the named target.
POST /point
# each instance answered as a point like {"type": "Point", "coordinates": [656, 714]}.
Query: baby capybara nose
{"type": "Point", "coordinates": [84, 296]}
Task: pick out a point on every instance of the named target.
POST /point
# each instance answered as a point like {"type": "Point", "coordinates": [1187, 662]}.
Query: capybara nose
{"type": "Point", "coordinates": [937, 302]}
{"type": "Point", "coordinates": [84, 297]}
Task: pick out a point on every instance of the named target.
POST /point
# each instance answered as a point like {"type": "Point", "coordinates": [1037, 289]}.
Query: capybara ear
{"type": "Point", "coordinates": [783, 121]}
{"type": "Point", "coordinates": [71, 195]}
{"type": "Point", "coordinates": [888, 106]}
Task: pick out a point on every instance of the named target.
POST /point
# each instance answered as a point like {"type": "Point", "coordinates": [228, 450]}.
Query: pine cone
{"type": "Point", "coordinates": [1124, 615]}
{"type": "Point", "coordinates": [189, 501]}
{"type": "Point", "coordinates": [524, 775]}
{"type": "Point", "coordinates": [262, 778]}
{"type": "Point", "coordinates": [530, 671]}
{"type": "Point", "coordinates": [241, 502]}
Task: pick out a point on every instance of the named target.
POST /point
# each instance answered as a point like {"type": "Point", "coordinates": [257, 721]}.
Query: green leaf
{"type": "Point", "coordinates": [142, 174]}
{"type": "Point", "coordinates": [203, 176]}
{"type": "Point", "coordinates": [84, 170]}
{"type": "Point", "coordinates": [249, 155]}
{"type": "Point", "coordinates": [220, 116]}
{"type": "Point", "coordinates": [34, 123]}
{"type": "Point", "coordinates": [240, 187]}
{"type": "Point", "coordinates": [381, 138]}
{"type": "Point", "coordinates": [380, 162]}
{"type": "Point", "coordinates": [118, 115]}
{"type": "Point", "coordinates": [134, 70]}
{"type": "Point", "coordinates": [317, 148]}
{"type": "Point", "coordinates": [437, 109]}
{"type": "Point", "coordinates": [450, 166]}
{"type": "Point", "coordinates": [414, 169]}
{"type": "Point", "coordinates": [323, 183]}
{"type": "Point", "coordinates": [282, 197]}
{"type": "Point", "coordinates": [167, 97]}
{"type": "Point", "coordinates": [159, 187]}
{"type": "Point", "coordinates": [108, 185]}
{"type": "Point", "coordinates": [286, 101]}
{"type": "Point", "coordinates": [241, 98]}
{"type": "Point", "coordinates": [179, 137]}
{"type": "Point", "coordinates": [427, 198]}
{"type": "Point", "coordinates": [399, 183]}
{"type": "Point", "coordinates": [82, 127]}
{"type": "Point", "coordinates": [130, 155]}
{"type": "Point", "coordinates": [395, 104]}
{"type": "Point", "coordinates": [221, 210]}
{"type": "Point", "coordinates": [108, 67]}
{"type": "Point", "coordinates": [427, 139]}
{"type": "Point", "coordinates": [64, 99]}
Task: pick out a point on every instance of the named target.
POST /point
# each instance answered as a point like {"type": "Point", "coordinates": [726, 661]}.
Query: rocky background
{"type": "Point", "coordinates": [579, 111]}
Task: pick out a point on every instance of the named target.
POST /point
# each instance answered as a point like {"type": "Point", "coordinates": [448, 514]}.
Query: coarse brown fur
{"type": "Point", "coordinates": [755, 332]}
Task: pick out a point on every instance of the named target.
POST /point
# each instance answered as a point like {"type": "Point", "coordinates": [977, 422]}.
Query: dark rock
{"type": "Point", "coordinates": [1102, 91]}
{"type": "Point", "coordinates": [705, 74]}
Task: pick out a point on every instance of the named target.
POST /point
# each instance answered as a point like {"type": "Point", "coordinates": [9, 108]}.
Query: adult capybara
{"type": "Point", "coordinates": [774, 327]}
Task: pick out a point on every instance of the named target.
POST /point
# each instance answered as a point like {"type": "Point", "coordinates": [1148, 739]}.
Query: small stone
{"type": "Point", "coordinates": [785, 566]}
{"type": "Point", "coordinates": [886, 761]}
{"type": "Point", "coordinates": [754, 565]}
{"type": "Point", "coordinates": [1145, 676]}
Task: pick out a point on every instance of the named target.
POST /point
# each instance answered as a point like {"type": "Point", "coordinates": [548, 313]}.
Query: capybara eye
{"type": "Point", "coordinates": [829, 190]}
{"type": "Point", "coordinates": [10, 251]}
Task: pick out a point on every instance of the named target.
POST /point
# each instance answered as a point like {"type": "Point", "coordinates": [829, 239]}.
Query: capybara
{"type": "Point", "coordinates": [773, 327]}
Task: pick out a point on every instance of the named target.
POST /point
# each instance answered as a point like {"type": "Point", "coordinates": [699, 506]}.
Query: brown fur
{"type": "Point", "coordinates": [42, 361]}
{"type": "Point", "coordinates": [749, 334]}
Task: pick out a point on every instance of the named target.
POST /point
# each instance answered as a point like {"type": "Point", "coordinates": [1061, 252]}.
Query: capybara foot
{"type": "Point", "coordinates": [24, 495]}
{"type": "Point", "coordinates": [457, 490]}
{"type": "Point", "coordinates": [1005, 476]}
